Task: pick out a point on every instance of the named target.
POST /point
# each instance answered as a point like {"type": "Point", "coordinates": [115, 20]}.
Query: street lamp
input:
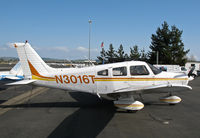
{"type": "Point", "coordinates": [90, 22]}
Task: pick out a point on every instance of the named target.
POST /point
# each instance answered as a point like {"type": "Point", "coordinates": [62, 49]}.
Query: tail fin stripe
{"type": "Point", "coordinates": [35, 72]}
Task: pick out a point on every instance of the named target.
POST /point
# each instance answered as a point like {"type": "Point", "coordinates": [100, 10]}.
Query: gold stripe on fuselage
{"type": "Point", "coordinates": [44, 79]}
{"type": "Point", "coordinates": [139, 79]}
{"type": "Point", "coordinates": [116, 79]}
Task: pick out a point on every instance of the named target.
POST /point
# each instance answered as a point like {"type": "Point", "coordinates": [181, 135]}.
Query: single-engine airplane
{"type": "Point", "coordinates": [118, 81]}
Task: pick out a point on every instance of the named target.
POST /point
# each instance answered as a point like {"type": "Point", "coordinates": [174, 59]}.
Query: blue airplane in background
{"type": "Point", "coordinates": [15, 74]}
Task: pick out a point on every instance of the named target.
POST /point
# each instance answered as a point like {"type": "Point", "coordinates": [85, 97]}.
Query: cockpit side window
{"type": "Point", "coordinates": [119, 71]}
{"type": "Point", "coordinates": [103, 72]}
{"type": "Point", "coordinates": [138, 70]}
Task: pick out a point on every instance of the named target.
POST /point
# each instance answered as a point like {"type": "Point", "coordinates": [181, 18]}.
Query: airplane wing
{"type": "Point", "coordinates": [169, 86]}
{"type": "Point", "coordinates": [167, 89]}
{"type": "Point", "coordinates": [156, 88]}
{"type": "Point", "coordinates": [22, 82]}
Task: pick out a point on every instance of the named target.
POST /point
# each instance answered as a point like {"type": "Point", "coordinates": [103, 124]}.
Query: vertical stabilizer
{"type": "Point", "coordinates": [27, 56]}
{"type": "Point", "coordinates": [17, 70]}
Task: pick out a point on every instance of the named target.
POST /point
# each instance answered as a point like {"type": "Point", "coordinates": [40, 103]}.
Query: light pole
{"type": "Point", "coordinates": [90, 22]}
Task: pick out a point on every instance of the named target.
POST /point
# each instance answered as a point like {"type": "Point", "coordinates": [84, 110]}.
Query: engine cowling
{"type": "Point", "coordinates": [171, 99]}
{"type": "Point", "coordinates": [129, 105]}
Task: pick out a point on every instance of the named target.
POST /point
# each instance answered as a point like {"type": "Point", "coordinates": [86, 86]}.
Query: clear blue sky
{"type": "Point", "coordinates": [59, 28]}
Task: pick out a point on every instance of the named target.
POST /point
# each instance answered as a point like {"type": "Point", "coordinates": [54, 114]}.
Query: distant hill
{"type": "Point", "coordinates": [8, 60]}
{"type": "Point", "coordinates": [47, 60]}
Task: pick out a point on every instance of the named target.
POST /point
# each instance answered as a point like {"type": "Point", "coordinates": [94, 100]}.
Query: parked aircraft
{"type": "Point", "coordinates": [117, 81]}
{"type": "Point", "coordinates": [15, 74]}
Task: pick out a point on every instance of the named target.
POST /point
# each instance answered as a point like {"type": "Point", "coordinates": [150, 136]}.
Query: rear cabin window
{"type": "Point", "coordinates": [120, 71]}
{"type": "Point", "coordinates": [103, 73]}
{"type": "Point", "coordinates": [138, 70]}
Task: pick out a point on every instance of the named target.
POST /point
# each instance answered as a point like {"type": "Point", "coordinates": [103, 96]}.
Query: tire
{"type": "Point", "coordinates": [193, 75]}
{"type": "Point", "coordinates": [132, 111]}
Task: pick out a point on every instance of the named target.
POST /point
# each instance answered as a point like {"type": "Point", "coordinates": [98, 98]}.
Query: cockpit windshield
{"type": "Point", "coordinates": [154, 69]}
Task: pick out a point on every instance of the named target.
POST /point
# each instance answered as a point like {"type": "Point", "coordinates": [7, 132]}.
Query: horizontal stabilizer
{"type": "Point", "coordinates": [12, 78]}
{"type": "Point", "coordinates": [21, 82]}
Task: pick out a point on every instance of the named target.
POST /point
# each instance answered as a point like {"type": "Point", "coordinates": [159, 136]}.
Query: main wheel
{"type": "Point", "coordinates": [193, 75]}
{"type": "Point", "coordinates": [131, 111]}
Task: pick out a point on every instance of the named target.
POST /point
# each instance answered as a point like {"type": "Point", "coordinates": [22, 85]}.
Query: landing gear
{"type": "Point", "coordinates": [142, 99]}
{"type": "Point", "coordinates": [129, 104]}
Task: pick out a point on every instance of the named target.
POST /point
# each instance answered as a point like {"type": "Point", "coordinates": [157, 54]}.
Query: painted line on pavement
{"type": "Point", "coordinates": [10, 88]}
{"type": "Point", "coordinates": [21, 99]}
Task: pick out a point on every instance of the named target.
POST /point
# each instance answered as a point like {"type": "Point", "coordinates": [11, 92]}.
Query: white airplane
{"type": "Point", "coordinates": [117, 81]}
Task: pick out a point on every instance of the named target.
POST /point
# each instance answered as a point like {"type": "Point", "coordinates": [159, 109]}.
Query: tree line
{"type": "Point", "coordinates": [166, 42]}
{"type": "Point", "coordinates": [112, 55]}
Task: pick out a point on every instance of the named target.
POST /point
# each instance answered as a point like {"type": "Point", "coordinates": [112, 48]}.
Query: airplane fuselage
{"type": "Point", "coordinates": [109, 78]}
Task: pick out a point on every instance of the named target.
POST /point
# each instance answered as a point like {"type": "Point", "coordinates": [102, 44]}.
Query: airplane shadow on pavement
{"type": "Point", "coordinates": [88, 121]}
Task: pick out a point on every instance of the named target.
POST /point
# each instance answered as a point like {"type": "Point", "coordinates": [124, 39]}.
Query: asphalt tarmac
{"type": "Point", "coordinates": [37, 112]}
